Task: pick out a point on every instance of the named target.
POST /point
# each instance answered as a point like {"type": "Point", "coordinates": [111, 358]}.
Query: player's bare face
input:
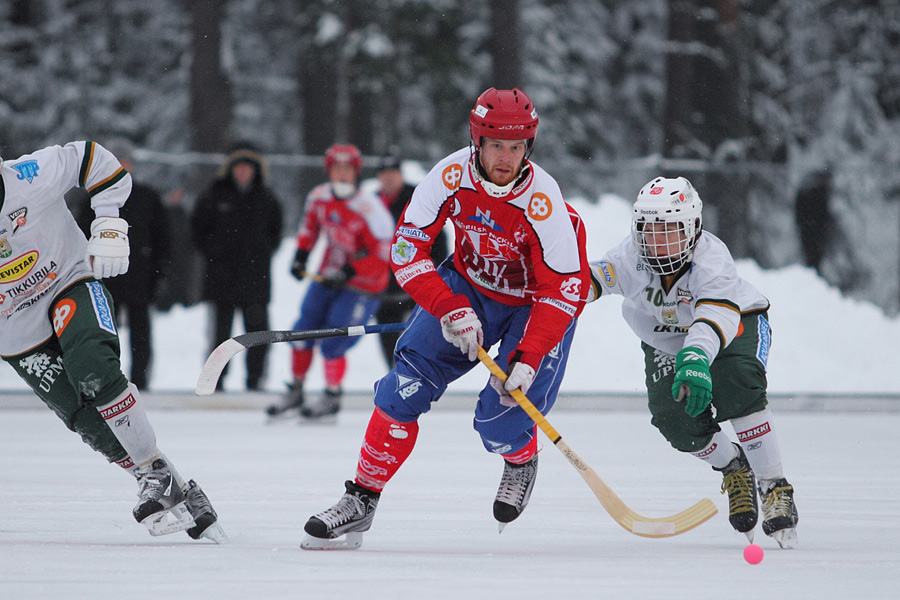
{"type": "Point", "coordinates": [342, 172]}
{"type": "Point", "coordinates": [664, 239]}
{"type": "Point", "coordinates": [502, 160]}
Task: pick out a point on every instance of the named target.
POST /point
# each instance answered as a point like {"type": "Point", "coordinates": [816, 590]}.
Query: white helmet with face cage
{"type": "Point", "coordinates": [667, 201]}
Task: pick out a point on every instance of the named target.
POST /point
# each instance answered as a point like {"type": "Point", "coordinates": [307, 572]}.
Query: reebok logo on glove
{"type": "Point", "coordinates": [701, 374]}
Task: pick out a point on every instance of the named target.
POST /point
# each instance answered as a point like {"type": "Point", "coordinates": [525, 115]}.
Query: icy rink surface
{"type": "Point", "coordinates": [66, 529]}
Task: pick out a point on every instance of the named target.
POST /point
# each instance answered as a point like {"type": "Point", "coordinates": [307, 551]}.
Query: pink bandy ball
{"type": "Point", "coordinates": [753, 554]}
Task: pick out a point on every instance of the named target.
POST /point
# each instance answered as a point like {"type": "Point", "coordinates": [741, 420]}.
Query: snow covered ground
{"type": "Point", "coordinates": [66, 529]}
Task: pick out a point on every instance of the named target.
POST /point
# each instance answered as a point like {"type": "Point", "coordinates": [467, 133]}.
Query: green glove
{"type": "Point", "coordinates": [692, 373]}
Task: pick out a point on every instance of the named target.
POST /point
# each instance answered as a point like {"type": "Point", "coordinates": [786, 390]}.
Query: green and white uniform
{"type": "Point", "coordinates": [705, 305]}
{"type": "Point", "coordinates": [57, 326]}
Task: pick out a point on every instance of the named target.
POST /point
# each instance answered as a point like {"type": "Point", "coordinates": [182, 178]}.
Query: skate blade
{"type": "Point", "coordinates": [215, 533]}
{"type": "Point", "coordinates": [750, 535]}
{"type": "Point", "coordinates": [313, 420]}
{"type": "Point", "coordinates": [786, 538]}
{"type": "Point", "coordinates": [161, 524]}
{"type": "Point", "coordinates": [348, 541]}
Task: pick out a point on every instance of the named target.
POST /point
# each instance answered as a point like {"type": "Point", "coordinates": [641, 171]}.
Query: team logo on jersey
{"type": "Point", "coordinates": [608, 272]}
{"type": "Point", "coordinates": [670, 316]}
{"type": "Point", "coordinates": [452, 176]}
{"type": "Point", "coordinates": [62, 314]}
{"type": "Point", "coordinates": [27, 170]}
{"type": "Point", "coordinates": [5, 248]}
{"type": "Point", "coordinates": [484, 218]}
{"type": "Point", "coordinates": [18, 267]}
{"type": "Point", "coordinates": [539, 207]}
{"type": "Point", "coordinates": [18, 218]}
{"type": "Point", "coordinates": [402, 251]}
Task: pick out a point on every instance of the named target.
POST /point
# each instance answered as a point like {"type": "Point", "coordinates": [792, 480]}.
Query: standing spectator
{"type": "Point", "coordinates": [357, 229]}
{"type": "Point", "coordinates": [180, 284]}
{"type": "Point", "coordinates": [706, 336]}
{"type": "Point", "coordinates": [812, 212]}
{"type": "Point", "coordinates": [519, 277]}
{"type": "Point", "coordinates": [58, 328]}
{"type": "Point", "coordinates": [396, 305]}
{"type": "Point", "coordinates": [135, 290]}
{"type": "Point", "coordinates": [236, 225]}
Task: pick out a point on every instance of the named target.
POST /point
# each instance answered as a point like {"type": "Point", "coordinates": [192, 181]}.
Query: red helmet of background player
{"type": "Point", "coordinates": [503, 115]}
{"type": "Point", "coordinates": [343, 153]}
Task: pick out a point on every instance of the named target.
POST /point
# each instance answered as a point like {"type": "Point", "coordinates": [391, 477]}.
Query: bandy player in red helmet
{"type": "Point", "coordinates": [357, 229]}
{"type": "Point", "coordinates": [518, 277]}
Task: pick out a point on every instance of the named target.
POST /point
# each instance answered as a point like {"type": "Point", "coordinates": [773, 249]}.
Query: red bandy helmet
{"type": "Point", "coordinates": [503, 115]}
{"type": "Point", "coordinates": [343, 153]}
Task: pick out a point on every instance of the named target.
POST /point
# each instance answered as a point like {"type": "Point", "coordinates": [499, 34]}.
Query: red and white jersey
{"type": "Point", "coordinates": [525, 248]}
{"type": "Point", "coordinates": [358, 232]}
{"type": "Point", "coordinates": [41, 247]}
{"type": "Point", "coordinates": [702, 307]}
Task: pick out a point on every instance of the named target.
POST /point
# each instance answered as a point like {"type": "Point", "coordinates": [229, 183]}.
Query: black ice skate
{"type": "Point", "coordinates": [350, 517]}
{"type": "Point", "coordinates": [206, 521]}
{"type": "Point", "coordinates": [739, 483]}
{"type": "Point", "coordinates": [514, 491]}
{"type": "Point", "coordinates": [779, 511]}
{"type": "Point", "coordinates": [160, 497]}
{"type": "Point", "coordinates": [292, 399]}
{"type": "Point", "coordinates": [329, 404]}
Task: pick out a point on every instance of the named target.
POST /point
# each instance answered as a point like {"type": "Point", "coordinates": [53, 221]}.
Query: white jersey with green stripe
{"type": "Point", "coordinates": [701, 306]}
{"type": "Point", "coordinates": [42, 249]}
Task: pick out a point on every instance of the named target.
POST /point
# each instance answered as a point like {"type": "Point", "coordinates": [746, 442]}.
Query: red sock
{"type": "Point", "coordinates": [334, 371]}
{"type": "Point", "coordinates": [387, 445]}
{"type": "Point", "coordinates": [525, 454]}
{"type": "Point", "coordinates": [300, 361]}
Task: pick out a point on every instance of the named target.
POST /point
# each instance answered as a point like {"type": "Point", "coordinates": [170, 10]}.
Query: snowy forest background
{"type": "Point", "coordinates": [747, 98]}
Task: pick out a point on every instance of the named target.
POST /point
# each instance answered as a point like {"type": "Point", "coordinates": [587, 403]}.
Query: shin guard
{"type": "Point", "coordinates": [126, 417]}
{"type": "Point", "coordinates": [387, 445]}
{"type": "Point", "coordinates": [760, 444]}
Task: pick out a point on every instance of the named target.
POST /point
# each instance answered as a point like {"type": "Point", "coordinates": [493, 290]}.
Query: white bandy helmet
{"type": "Point", "coordinates": [667, 201]}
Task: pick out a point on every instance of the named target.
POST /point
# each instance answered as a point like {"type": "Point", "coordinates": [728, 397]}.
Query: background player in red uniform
{"type": "Point", "coordinates": [518, 277]}
{"type": "Point", "coordinates": [354, 271]}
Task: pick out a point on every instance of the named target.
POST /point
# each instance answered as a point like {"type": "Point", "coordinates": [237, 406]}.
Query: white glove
{"type": "Point", "coordinates": [521, 376]}
{"type": "Point", "coordinates": [462, 328]}
{"type": "Point", "coordinates": [107, 250]}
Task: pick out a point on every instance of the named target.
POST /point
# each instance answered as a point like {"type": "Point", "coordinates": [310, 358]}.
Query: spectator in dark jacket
{"type": "Point", "coordinates": [236, 225]}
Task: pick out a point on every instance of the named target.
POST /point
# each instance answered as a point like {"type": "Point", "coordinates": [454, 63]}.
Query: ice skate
{"type": "Point", "coordinates": [779, 511]}
{"type": "Point", "coordinates": [206, 521]}
{"type": "Point", "coordinates": [292, 399]}
{"type": "Point", "coordinates": [161, 505]}
{"type": "Point", "coordinates": [350, 517]}
{"type": "Point", "coordinates": [739, 483]}
{"type": "Point", "coordinates": [329, 404]}
{"type": "Point", "coordinates": [514, 491]}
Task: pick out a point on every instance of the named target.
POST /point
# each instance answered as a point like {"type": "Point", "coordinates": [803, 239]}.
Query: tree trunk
{"type": "Point", "coordinates": [505, 44]}
{"type": "Point", "coordinates": [211, 101]}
